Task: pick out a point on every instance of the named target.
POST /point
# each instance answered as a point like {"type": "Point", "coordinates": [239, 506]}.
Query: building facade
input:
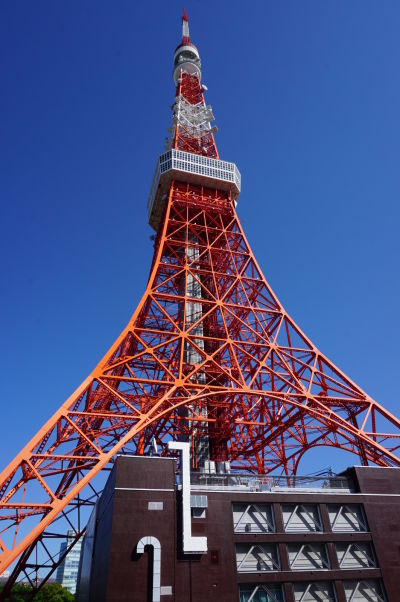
{"type": "Point", "coordinates": [67, 572]}
{"type": "Point", "coordinates": [311, 540]}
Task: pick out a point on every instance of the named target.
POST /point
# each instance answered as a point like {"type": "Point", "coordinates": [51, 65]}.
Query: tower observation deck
{"type": "Point", "coordinates": [209, 356]}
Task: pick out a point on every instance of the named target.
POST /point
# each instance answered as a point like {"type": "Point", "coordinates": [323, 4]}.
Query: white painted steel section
{"type": "Point", "coordinates": [153, 541]}
{"type": "Point", "coordinates": [194, 119]}
{"type": "Point", "coordinates": [191, 545]}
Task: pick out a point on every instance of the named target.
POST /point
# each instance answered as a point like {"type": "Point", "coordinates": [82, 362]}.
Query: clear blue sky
{"type": "Point", "coordinates": [306, 96]}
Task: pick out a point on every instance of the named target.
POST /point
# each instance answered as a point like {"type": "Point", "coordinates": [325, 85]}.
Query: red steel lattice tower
{"type": "Point", "coordinates": [209, 356]}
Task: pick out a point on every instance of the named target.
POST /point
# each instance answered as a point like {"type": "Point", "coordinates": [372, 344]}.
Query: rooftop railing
{"type": "Point", "coordinates": [269, 483]}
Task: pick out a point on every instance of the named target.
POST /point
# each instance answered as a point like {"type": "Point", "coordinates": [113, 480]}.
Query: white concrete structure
{"type": "Point", "coordinates": [153, 541]}
{"type": "Point", "coordinates": [190, 544]}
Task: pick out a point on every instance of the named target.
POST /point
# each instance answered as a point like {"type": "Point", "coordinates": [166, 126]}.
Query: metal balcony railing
{"type": "Point", "coordinates": [269, 483]}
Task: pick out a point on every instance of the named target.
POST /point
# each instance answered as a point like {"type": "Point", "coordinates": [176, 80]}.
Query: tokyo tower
{"type": "Point", "coordinates": [209, 356]}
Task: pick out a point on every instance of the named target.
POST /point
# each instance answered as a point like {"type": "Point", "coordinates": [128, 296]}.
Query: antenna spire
{"type": "Point", "coordinates": [185, 28]}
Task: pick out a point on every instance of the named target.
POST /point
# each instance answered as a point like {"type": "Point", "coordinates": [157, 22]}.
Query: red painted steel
{"type": "Point", "coordinates": [239, 374]}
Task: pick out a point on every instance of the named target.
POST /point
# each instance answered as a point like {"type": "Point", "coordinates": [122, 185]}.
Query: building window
{"type": "Point", "coordinates": [253, 518]}
{"type": "Point", "coordinates": [307, 556]}
{"type": "Point", "coordinates": [347, 518]}
{"type": "Point", "coordinates": [301, 518]}
{"type": "Point", "coordinates": [199, 513]}
{"type": "Point", "coordinates": [260, 592]}
{"type": "Point", "coordinates": [368, 590]}
{"type": "Point", "coordinates": [257, 557]}
{"type": "Point", "coordinates": [321, 591]}
{"type": "Point", "coordinates": [355, 555]}
{"type": "Point", "coordinates": [198, 505]}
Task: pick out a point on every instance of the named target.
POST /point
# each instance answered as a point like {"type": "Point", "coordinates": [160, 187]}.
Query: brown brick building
{"type": "Point", "coordinates": [317, 540]}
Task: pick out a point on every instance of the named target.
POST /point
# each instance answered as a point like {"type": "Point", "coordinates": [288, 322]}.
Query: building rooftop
{"type": "Point", "coordinates": [245, 482]}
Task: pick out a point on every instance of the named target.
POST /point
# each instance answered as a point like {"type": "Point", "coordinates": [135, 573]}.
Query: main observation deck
{"type": "Point", "coordinates": [191, 168]}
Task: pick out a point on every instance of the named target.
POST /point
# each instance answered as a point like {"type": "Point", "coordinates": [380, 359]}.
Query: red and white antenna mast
{"type": "Point", "coordinates": [185, 28]}
{"type": "Point", "coordinates": [186, 57]}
